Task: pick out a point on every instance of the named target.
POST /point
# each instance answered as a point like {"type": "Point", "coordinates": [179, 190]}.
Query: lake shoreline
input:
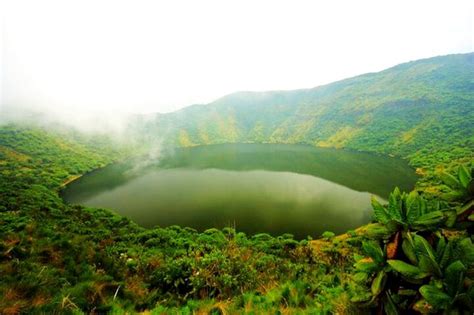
{"type": "Point", "coordinates": [267, 181]}
{"type": "Point", "coordinates": [74, 178]}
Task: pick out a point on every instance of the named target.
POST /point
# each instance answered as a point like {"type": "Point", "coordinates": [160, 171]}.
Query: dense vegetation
{"type": "Point", "coordinates": [420, 110]}
{"type": "Point", "coordinates": [58, 258]}
{"type": "Point", "coordinates": [417, 255]}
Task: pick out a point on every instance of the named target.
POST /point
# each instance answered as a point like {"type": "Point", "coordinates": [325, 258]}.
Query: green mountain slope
{"type": "Point", "coordinates": [422, 110]}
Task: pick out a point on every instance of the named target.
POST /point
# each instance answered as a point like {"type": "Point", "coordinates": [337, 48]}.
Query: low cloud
{"type": "Point", "coordinates": [85, 121]}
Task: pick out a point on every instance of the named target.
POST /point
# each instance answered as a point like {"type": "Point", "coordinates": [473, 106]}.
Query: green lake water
{"type": "Point", "coordinates": [255, 188]}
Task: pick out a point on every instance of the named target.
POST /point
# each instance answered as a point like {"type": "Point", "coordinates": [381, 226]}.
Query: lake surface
{"type": "Point", "coordinates": [255, 188]}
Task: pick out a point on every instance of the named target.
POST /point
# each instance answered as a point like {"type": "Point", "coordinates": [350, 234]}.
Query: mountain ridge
{"type": "Point", "coordinates": [397, 111]}
{"type": "Point", "coordinates": [325, 84]}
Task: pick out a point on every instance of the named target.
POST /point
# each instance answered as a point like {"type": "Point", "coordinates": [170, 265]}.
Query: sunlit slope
{"type": "Point", "coordinates": [424, 107]}
{"type": "Point", "coordinates": [50, 157]}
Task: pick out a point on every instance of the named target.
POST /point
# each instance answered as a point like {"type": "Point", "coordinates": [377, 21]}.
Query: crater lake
{"type": "Point", "coordinates": [255, 188]}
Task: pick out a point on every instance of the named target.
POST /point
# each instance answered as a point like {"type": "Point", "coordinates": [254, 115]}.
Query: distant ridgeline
{"type": "Point", "coordinates": [421, 110]}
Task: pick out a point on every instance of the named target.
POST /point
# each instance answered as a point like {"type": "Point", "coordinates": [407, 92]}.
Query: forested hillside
{"type": "Point", "coordinates": [421, 110]}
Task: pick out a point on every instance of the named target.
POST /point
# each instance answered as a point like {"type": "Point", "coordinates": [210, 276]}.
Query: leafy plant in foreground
{"type": "Point", "coordinates": [433, 271]}
{"type": "Point", "coordinates": [411, 211]}
{"type": "Point", "coordinates": [460, 188]}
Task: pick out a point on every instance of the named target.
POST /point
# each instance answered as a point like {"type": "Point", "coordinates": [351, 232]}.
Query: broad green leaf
{"type": "Point", "coordinates": [412, 206]}
{"type": "Point", "coordinates": [379, 283]}
{"type": "Point", "coordinates": [446, 255]}
{"type": "Point", "coordinates": [465, 207]}
{"type": "Point", "coordinates": [454, 277]}
{"type": "Point", "coordinates": [464, 251]}
{"type": "Point", "coordinates": [453, 195]}
{"type": "Point", "coordinates": [380, 213]}
{"type": "Point", "coordinates": [430, 220]}
{"type": "Point", "coordinates": [464, 176]}
{"type": "Point", "coordinates": [361, 297]}
{"type": "Point", "coordinates": [440, 247]}
{"type": "Point", "coordinates": [435, 206]}
{"type": "Point", "coordinates": [426, 265]}
{"type": "Point", "coordinates": [396, 193]}
{"type": "Point", "coordinates": [395, 205]}
{"type": "Point", "coordinates": [424, 249]}
{"type": "Point", "coordinates": [366, 265]}
{"type": "Point", "coordinates": [360, 277]}
{"type": "Point", "coordinates": [436, 297]}
{"type": "Point", "coordinates": [373, 250]}
{"type": "Point", "coordinates": [450, 180]}
{"type": "Point", "coordinates": [406, 270]}
{"type": "Point", "coordinates": [379, 231]}
{"type": "Point", "coordinates": [412, 197]}
{"type": "Point", "coordinates": [409, 251]}
{"type": "Point", "coordinates": [423, 206]}
{"type": "Point", "coordinates": [392, 226]}
{"type": "Point", "coordinates": [451, 217]}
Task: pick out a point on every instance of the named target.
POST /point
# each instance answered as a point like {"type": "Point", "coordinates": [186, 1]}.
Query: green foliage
{"type": "Point", "coordinates": [435, 265]}
{"type": "Point", "coordinates": [80, 259]}
{"type": "Point", "coordinates": [410, 211]}
{"type": "Point", "coordinates": [417, 256]}
{"type": "Point", "coordinates": [60, 258]}
{"type": "Point", "coordinates": [328, 234]}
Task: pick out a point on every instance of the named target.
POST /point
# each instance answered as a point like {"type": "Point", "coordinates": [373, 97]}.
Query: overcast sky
{"type": "Point", "coordinates": [158, 56]}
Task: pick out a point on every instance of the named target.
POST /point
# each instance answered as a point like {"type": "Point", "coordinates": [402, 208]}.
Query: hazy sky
{"type": "Point", "coordinates": [145, 56]}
